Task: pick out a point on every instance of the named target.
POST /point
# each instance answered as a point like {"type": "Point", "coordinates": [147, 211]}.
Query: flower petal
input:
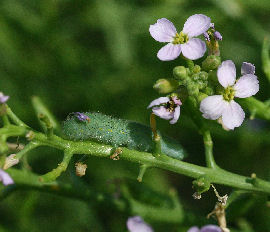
{"type": "Point", "coordinates": [193, 49]}
{"type": "Point", "coordinates": [196, 25]}
{"type": "Point", "coordinates": [137, 224]}
{"type": "Point", "coordinates": [210, 228]}
{"type": "Point", "coordinates": [175, 115]}
{"type": "Point", "coordinates": [212, 107]}
{"type": "Point", "coordinates": [158, 101]}
{"type": "Point", "coordinates": [162, 112]}
{"type": "Point", "coordinates": [169, 52]}
{"type": "Point", "coordinates": [5, 178]}
{"type": "Point", "coordinates": [246, 86]}
{"type": "Point", "coordinates": [194, 229]}
{"type": "Point", "coordinates": [226, 73]}
{"type": "Point", "coordinates": [163, 30]}
{"type": "Point", "coordinates": [247, 68]}
{"type": "Point", "coordinates": [232, 115]}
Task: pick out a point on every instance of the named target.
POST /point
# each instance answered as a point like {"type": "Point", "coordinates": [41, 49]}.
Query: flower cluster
{"type": "Point", "coordinates": [213, 85]}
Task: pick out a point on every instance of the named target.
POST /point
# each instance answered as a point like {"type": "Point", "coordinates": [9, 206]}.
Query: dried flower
{"type": "Point", "coordinates": [10, 161]}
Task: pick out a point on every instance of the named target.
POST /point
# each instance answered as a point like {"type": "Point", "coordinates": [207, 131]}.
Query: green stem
{"type": "Point", "coordinates": [217, 175]}
{"type": "Point", "coordinates": [30, 146]}
{"type": "Point", "coordinates": [14, 118]}
{"type": "Point", "coordinates": [52, 175]}
{"type": "Point", "coordinates": [208, 146]}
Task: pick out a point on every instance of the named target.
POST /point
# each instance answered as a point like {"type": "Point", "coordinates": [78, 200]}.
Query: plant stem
{"type": "Point", "coordinates": [208, 146]}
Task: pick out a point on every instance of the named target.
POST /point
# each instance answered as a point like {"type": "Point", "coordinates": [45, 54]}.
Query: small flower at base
{"type": "Point", "coordinates": [5, 178]}
{"type": "Point", "coordinates": [164, 86]}
{"type": "Point", "coordinates": [137, 224]}
{"type": "Point", "coordinates": [3, 98]}
{"type": "Point", "coordinates": [10, 161]}
{"type": "Point", "coordinates": [80, 169]}
{"type": "Point", "coordinates": [166, 108]}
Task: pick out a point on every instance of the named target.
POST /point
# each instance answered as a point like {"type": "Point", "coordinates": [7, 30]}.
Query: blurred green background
{"type": "Point", "coordinates": [98, 55]}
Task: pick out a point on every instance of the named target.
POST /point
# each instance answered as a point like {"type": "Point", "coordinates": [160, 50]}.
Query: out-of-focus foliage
{"type": "Point", "coordinates": [98, 55]}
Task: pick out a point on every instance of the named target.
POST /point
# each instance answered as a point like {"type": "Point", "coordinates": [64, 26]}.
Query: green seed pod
{"type": "Point", "coordinates": [164, 86]}
{"type": "Point", "coordinates": [201, 185]}
{"type": "Point", "coordinates": [118, 133]}
{"type": "Point", "coordinates": [180, 73]}
{"type": "Point", "coordinates": [211, 62]}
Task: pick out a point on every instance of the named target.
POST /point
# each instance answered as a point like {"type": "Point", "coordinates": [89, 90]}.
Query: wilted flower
{"type": "Point", "coordinates": [137, 224]}
{"type": "Point", "coordinates": [216, 106]}
{"type": "Point", "coordinates": [3, 98]}
{"type": "Point", "coordinates": [5, 178]}
{"type": "Point", "coordinates": [166, 108]}
{"type": "Point", "coordinates": [10, 161]}
{"type": "Point", "coordinates": [80, 169]}
{"type": "Point", "coordinates": [207, 228]}
{"type": "Point", "coordinates": [192, 48]}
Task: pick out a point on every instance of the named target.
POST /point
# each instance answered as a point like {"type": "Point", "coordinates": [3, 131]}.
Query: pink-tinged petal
{"type": "Point", "coordinates": [193, 49]}
{"type": "Point", "coordinates": [162, 112]}
{"type": "Point", "coordinates": [232, 115]}
{"type": "Point", "coordinates": [163, 30]}
{"type": "Point", "coordinates": [5, 178]}
{"type": "Point", "coordinates": [196, 25]}
{"type": "Point", "coordinates": [211, 228]}
{"type": "Point", "coordinates": [169, 52]}
{"type": "Point", "coordinates": [137, 224]}
{"type": "Point", "coordinates": [175, 115]}
{"type": "Point", "coordinates": [212, 107]}
{"type": "Point", "coordinates": [226, 73]}
{"type": "Point", "coordinates": [3, 98]}
{"type": "Point", "coordinates": [158, 101]}
{"type": "Point", "coordinates": [246, 86]}
{"type": "Point", "coordinates": [194, 229]}
{"type": "Point", "coordinates": [247, 68]}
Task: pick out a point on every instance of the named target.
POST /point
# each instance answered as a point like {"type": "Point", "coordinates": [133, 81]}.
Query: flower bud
{"type": "Point", "coordinates": [193, 89]}
{"type": "Point", "coordinates": [180, 73]}
{"type": "Point", "coordinates": [203, 76]}
{"type": "Point", "coordinates": [211, 62]}
{"type": "Point", "coordinates": [202, 96]}
{"type": "Point", "coordinates": [164, 86]}
{"type": "Point", "coordinates": [196, 69]}
{"type": "Point", "coordinates": [201, 185]}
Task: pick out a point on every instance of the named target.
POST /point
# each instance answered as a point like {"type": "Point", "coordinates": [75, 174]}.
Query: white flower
{"type": "Point", "coordinates": [216, 106]}
{"type": "Point", "coordinates": [192, 48]}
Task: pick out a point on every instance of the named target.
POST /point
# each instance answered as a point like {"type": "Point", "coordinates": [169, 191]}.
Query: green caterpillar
{"type": "Point", "coordinates": [117, 132]}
